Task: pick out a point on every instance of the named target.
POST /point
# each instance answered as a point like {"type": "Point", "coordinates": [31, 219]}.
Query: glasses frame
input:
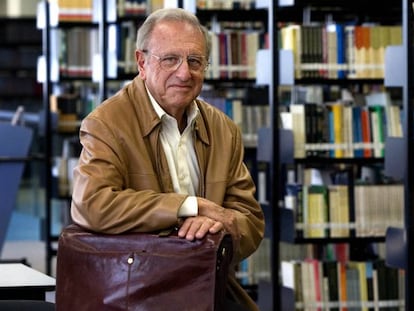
{"type": "Point", "coordinates": [181, 60]}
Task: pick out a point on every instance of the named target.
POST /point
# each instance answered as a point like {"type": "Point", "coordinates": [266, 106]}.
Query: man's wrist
{"type": "Point", "coordinates": [189, 207]}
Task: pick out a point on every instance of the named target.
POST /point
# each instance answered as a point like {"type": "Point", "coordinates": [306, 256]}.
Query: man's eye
{"type": "Point", "coordinates": [170, 60]}
{"type": "Point", "coordinates": [193, 61]}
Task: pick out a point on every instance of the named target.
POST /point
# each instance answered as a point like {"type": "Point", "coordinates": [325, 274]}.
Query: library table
{"type": "Point", "coordinates": [20, 282]}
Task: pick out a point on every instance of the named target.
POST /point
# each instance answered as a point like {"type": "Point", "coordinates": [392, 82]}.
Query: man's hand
{"type": "Point", "coordinates": [197, 227]}
{"type": "Point", "coordinates": [211, 218]}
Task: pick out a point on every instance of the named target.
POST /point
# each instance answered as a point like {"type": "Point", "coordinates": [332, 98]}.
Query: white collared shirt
{"type": "Point", "coordinates": [181, 157]}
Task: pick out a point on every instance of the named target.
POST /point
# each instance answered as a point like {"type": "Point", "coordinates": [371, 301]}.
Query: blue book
{"type": "Point", "coordinates": [357, 132]}
{"type": "Point", "coordinates": [340, 44]}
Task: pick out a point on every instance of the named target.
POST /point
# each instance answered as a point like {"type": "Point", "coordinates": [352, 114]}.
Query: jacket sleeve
{"type": "Point", "coordinates": [240, 196]}
{"type": "Point", "coordinates": [228, 182]}
{"type": "Point", "coordinates": [112, 195]}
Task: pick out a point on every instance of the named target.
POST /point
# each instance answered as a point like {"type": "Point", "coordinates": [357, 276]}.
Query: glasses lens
{"type": "Point", "coordinates": [196, 63]}
{"type": "Point", "coordinates": [170, 62]}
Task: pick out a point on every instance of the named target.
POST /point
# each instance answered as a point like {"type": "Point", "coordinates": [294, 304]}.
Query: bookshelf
{"type": "Point", "coordinates": [21, 45]}
{"type": "Point", "coordinates": [239, 30]}
{"type": "Point", "coordinates": [231, 77]}
{"type": "Point", "coordinates": [71, 72]}
{"type": "Point", "coordinates": [81, 65]}
{"type": "Point", "coordinates": [321, 78]}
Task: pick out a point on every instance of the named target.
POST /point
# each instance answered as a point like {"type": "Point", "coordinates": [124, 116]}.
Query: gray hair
{"type": "Point", "coordinates": [170, 14]}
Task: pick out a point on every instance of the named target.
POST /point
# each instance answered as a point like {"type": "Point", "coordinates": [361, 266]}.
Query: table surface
{"type": "Point", "coordinates": [20, 275]}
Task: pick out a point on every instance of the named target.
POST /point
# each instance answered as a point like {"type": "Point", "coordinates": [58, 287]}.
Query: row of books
{"type": "Point", "coordinates": [62, 168]}
{"type": "Point", "coordinates": [76, 48]}
{"type": "Point", "coordinates": [225, 4]}
{"type": "Point", "coordinates": [256, 267]}
{"type": "Point", "coordinates": [75, 10]}
{"type": "Point", "coordinates": [250, 118]}
{"type": "Point", "coordinates": [84, 10]}
{"type": "Point", "coordinates": [323, 211]}
{"type": "Point", "coordinates": [72, 102]}
{"type": "Point", "coordinates": [126, 46]}
{"type": "Point", "coordinates": [339, 286]}
{"type": "Point", "coordinates": [233, 54]}
{"type": "Point", "coordinates": [342, 130]}
{"type": "Point", "coordinates": [132, 7]}
{"type": "Point", "coordinates": [336, 50]}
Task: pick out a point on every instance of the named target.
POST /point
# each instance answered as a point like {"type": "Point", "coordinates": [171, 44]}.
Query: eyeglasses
{"type": "Point", "coordinates": [196, 63]}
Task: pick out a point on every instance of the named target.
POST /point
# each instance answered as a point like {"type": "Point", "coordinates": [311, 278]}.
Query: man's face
{"type": "Point", "coordinates": [174, 89]}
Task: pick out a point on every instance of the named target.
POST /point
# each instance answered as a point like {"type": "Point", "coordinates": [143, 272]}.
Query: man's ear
{"type": "Point", "coordinates": [140, 60]}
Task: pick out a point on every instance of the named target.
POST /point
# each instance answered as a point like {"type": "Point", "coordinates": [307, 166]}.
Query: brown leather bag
{"type": "Point", "coordinates": [138, 271]}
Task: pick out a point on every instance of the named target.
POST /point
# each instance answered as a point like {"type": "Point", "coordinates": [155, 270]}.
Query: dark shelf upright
{"type": "Point", "coordinates": [48, 141]}
{"type": "Point", "coordinates": [275, 155]}
{"type": "Point", "coordinates": [408, 20]}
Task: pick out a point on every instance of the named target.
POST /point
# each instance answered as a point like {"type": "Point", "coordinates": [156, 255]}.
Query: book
{"type": "Point", "coordinates": [332, 50]}
{"type": "Point", "coordinates": [213, 71]}
{"type": "Point", "coordinates": [394, 125]}
{"type": "Point", "coordinates": [293, 201]}
{"type": "Point", "coordinates": [299, 133]}
{"type": "Point", "coordinates": [343, 287]}
{"type": "Point", "coordinates": [330, 274]}
{"type": "Point", "coordinates": [358, 146]}
{"type": "Point", "coordinates": [352, 287]}
{"type": "Point", "coordinates": [350, 50]}
{"type": "Point", "coordinates": [316, 221]}
{"type": "Point", "coordinates": [253, 46]}
{"type": "Point", "coordinates": [370, 285]}
{"type": "Point", "coordinates": [339, 209]}
{"type": "Point", "coordinates": [366, 132]}
{"type": "Point", "coordinates": [362, 44]}
{"type": "Point", "coordinates": [291, 40]}
{"type": "Point", "coordinates": [314, 297]}
{"type": "Point", "coordinates": [337, 126]}
{"type": "Point", "coordinates": [223, 54]}
{"type": "Point", "coordinates": [347, 131]}
{"type": "Point", "coordinates": [292, 278]}
{"type": "Point", "coordinates": [341, 50]}
{"type": "Point", "coordinates": [378, 129]}
{"type": "Point", "coordinates": [311, 133]}
{"type": "Point", "coordinates": [360, 266]}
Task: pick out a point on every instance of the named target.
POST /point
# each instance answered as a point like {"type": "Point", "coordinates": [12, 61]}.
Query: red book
{"type": "Point", "coordinates": [366, 132]}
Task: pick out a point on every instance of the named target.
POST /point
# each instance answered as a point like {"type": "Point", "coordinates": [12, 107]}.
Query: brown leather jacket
{"type": "Point", "coordinates": [122, 182]}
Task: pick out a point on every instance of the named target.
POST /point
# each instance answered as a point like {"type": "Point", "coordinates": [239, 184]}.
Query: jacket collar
{"type": "Point", "coordinates": [138, 94]}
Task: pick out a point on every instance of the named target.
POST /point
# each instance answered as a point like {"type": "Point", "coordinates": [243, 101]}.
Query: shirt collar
{"type": "Point", "coordinates": [192, 110]}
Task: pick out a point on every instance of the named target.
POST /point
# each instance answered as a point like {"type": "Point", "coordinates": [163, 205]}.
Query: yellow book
{"type": "Point", "coordinates": [395, 35]}
{"type": "Point", "coordinates": [291, 40]}
{"type": "Point", "coordinates": [298, 128]}
{"type": "Point", "coordinates": [337, 127]}
{"type": "Point", "coordinates": [75, 10]}
{"type": "Point", "coordinates": [339, 210]}
{"type": "Point", "coordinates": [317, 212]}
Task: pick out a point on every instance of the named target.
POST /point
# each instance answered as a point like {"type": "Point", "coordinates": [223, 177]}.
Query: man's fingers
{"type": "Point", "coordinates": [197, 227]}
